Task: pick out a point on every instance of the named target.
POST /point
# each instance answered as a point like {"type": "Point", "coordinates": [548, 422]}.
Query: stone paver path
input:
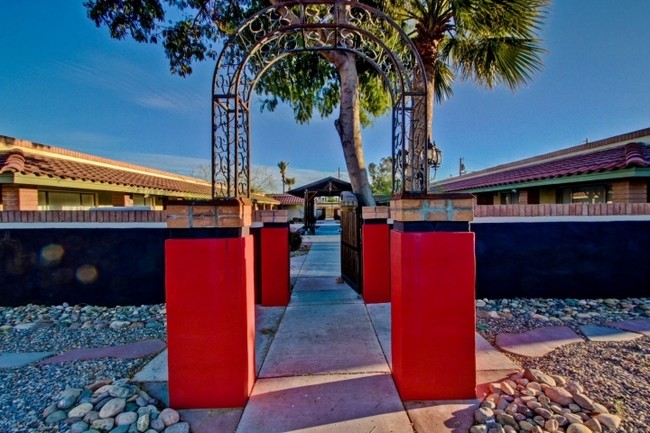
{"type": "Point", "coordinates": [129, 351]}
{"type": "Point", "coordinates": [537, 342]}
{"type": "Point", "coordinates": [603, 333]}
{"type": "Point", "coordinates": [640, 326]}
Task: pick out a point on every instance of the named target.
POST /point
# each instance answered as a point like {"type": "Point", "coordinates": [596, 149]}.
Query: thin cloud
{"type": "Point", "coordinates": [132, 82]}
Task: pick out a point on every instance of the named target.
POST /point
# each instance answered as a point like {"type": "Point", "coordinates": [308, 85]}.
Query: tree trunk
{"type": "Point", "coordinates": [348, 125]}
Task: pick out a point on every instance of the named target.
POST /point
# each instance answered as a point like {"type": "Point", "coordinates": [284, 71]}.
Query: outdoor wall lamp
{"type": "Point", "coordinates": [434, 156]}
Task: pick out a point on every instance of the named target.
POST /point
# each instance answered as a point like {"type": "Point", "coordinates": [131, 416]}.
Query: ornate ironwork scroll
{"type": "Point", "coordinates": [293, 27]}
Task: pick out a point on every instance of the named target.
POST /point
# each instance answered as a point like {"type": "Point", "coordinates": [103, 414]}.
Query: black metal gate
{"type": "Point", "coordinates": [351, 270]}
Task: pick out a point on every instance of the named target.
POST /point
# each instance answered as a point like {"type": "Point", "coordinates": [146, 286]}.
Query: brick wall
{"type": "Point", "coordinates": [121, 199]}
{"type": "Point", "coordinates": [539, 210]}
{"type": "Point", "coordinates": [630, 191]}
{"type": "Point", "coordinates": [19, 198]}
{"type": "Point", "coordinates": [99, 216]}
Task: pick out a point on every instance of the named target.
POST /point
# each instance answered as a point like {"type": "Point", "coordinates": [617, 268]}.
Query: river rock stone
{"type": "Point", "coordinates": [103, 424]}
{"type": "Point", "coordinates": [559, 395]}
{"type": "Point", "coordinates": [610, 421]}
{"type": "Point", "coordinates": [181, 427]}
{"type": "Point", "coordinates": [143, 422]}
{"type": "Point", "coordinates": [112, 408]}
{"type": "Point", "coordinates": [80, 411]}
{"type": "Point", "coordinates": [481, 415]}
{"type": "Point", "coordinates": [170, 416]}
{"type": "Point", "coordinates": [578, 428]}
{"type": "Point", "coordinates": [536, 375]}
{"type": "Point", "coordinates": [126, 418]}
{"type": "Point", "coordinates": [56, 417]}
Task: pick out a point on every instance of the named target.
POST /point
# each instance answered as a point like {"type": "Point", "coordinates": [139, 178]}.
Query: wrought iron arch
{"type": "Point", "coordinates": [295, 26]}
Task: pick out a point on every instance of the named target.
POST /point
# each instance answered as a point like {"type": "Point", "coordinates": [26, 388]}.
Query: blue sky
{"type": "Point", "coordinates": [65, 83]}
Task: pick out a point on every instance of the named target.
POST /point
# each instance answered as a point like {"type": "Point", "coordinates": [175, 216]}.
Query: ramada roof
{"type": "Point", "coordinates": [34, 162]}
{"type": "Point", "coordinates": [287, 199]}
{"type": "Point", "coordinates": [616, 153]}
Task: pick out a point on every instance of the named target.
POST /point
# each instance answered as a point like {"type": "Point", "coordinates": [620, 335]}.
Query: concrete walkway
{"type": "Point", "coordinates": [325, 370]}
{"type": "Point", "coordinates": [324, 366]}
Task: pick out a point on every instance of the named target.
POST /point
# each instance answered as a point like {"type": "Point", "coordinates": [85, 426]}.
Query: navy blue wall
{"type": "Point", "coordinates": [563, 259]}
{"type": "Point", "coordinates": [555, 259]}
{"type": "Point", "coordinates": [51, 266]}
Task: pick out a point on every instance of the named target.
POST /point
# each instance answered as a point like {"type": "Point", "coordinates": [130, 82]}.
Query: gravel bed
{"type": "Point", "coordinates": [615, 374]}
{"type": "Point", "coordinates": [25, 392]}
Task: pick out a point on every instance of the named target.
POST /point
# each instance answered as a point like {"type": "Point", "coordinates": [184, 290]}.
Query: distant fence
{"type": "Point", "coordinates": [124, 215]}
{"type": "Point", "coordinates": [577, 209]}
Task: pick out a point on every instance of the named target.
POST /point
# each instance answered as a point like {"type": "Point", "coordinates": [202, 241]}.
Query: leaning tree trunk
{"type": "Point", "coordinates": [348, 125]}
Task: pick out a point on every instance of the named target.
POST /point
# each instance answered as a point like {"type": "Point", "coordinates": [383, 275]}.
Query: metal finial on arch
{"type": "Point", "coordinates": [298, 26]}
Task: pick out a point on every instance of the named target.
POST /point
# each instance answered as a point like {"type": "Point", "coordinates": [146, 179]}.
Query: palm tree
{"type": "Point", "coordinates": [491, 42]}
{"type": "Point", "coordinates": [282, 165]}
{"type": "Point", "coordinates": [290, 181]}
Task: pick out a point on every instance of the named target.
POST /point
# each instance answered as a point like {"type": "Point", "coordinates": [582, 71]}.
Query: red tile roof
{"type": "Point", "coordinates": [287, 199]}
{"type": "Point", "coordinates": [592, 158]}
{"type": "Point", "coordinates": [29, 158]}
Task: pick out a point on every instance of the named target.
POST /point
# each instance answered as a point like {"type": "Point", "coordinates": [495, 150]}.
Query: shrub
{"type": "Point", "coordinates": [295, 240]}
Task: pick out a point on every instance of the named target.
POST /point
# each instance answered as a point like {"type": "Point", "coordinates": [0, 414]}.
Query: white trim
{"type": "Point", "coordinates": [82, 225]}
{"type": "Point", "coordinates": [557, 219]}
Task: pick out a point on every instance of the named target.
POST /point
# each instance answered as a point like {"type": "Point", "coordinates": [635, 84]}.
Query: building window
{"type": "Point", "coordinates": [587, 194]}
{"type": "Point", "coordinates": [59, 200]}
{"type": "Point", "coordinates": [510, 197]}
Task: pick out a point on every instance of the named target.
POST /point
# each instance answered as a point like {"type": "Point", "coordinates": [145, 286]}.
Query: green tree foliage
{"type": "Point", "coordinates": [290, 181]}
{"type": "Point", "coordinates": [490, 42]}
{"type": "Point", "coordinates": [191, 30]}
{"type": "Point", "coordinates": [381, 176]}
{"type": "Point", "coordinates": [282, 165]}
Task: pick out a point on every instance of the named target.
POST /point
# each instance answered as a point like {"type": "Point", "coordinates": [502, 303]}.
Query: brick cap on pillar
{"type": "Point", "coordinates": [375, 212]}
{"type": "Point", "coordinates": [216, 213]}
{"type": "Point", "coordinates": [271, 216]}
{"type": "Point", "coordinates": [457, 207]}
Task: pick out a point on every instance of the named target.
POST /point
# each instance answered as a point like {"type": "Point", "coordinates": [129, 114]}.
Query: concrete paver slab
{"type": "Point", "coordinates": [331, 403]}
{"type": "Point", "coordinates": [127, 351]}
{"type": "Point", "coordinates": [313, 297]}
{"type": "Point", "coordinates": [603, 333]}
{"type": "Point", "coordinates": [442, 417]}
{"type": "Point", "coordinates": [267, 322]}
{"type": "Point", "coordinates": [489, 358]}
{"type": "Point", "coordinates": [12, 360]}
{"type": "Point", "coordinates": [537, 342]}
{"type": "Point", "coordinates": [155, 370]}
{"type": "Point", "coordinates": [380, 317]}
{"type": "Point", "coordinates": [212, 420]}
{"type": "Point", "coordinates": [295, 265]}
{"type": "Point", "coordinates": [324, 339]}
{"type": "Point", "coordinates": [320, 283]}
{"type": "Point", "coordinates": [640, 326]}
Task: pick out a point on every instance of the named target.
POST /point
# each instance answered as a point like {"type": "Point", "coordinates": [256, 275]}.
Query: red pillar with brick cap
{"type": "Point", "coordinates": [210, 305]}
{"type": "Point", "coordinates": [433, 290]}
{"type": "Point", "coordinates": [375, 250]}
{"type": "Point", "coordinates": [274, 257]}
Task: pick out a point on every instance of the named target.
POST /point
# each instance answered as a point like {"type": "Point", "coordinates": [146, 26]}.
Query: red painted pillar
{"type": "Point", "coordinates": [210, 306]}
{"type": "Point", "coordinates": [433, 308]}
{"type": "Point", "coordinates": [274, 266]}
{"type": "Point", "coordinates": [375, 244]}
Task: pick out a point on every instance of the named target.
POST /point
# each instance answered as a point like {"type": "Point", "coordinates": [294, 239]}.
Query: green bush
{"type": "Point", "coordinates": [295, 240]}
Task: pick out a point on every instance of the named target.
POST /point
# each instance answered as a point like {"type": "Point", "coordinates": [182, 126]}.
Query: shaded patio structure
{"type": "Point", "coordinates": [327, 186]}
